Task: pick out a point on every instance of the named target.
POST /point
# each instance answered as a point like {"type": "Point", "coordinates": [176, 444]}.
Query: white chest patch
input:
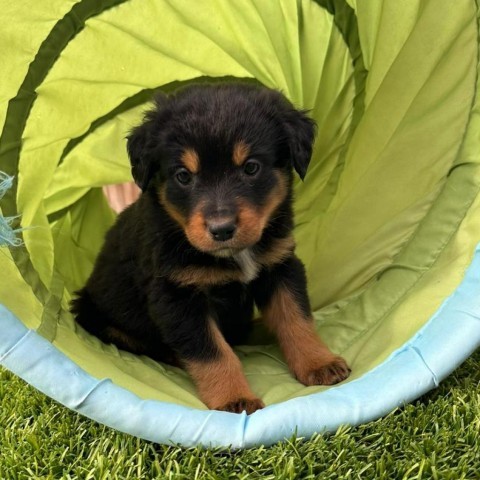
{"type": "Point", "coordinates": [247, 263]}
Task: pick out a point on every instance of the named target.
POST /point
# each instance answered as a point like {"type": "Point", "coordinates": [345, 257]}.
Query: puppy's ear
{"type": "Point", "coordinates": [143, 143]}
{"type": "Point", "coordinates": [140, 155]}
{"type": "Point", "coordinates": [301, 134]}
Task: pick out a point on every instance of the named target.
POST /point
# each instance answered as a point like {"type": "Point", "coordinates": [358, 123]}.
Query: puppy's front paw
{"type": "Point", "coordinates": [250, 405]}
{"type": "Point", "coordinates": [335, 371]}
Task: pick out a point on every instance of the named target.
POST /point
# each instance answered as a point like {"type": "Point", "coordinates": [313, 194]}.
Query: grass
{"type": "Point", "coordinates": [437, 437]}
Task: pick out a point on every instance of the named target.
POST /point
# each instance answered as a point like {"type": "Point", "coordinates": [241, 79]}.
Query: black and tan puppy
{"type": "Point", "coordinates": [210, 236]}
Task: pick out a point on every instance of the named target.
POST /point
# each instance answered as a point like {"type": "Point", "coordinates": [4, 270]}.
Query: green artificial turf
{"type": "Point", "coordinates": [438, 437]}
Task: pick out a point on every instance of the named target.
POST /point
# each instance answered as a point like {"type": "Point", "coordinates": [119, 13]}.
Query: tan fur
{"type": "Point", "coordinates": [240, 153]}
{"type": "Point", "coordinates": [171, 210]}
{"type": "Point", "coordinates": [191, 161]}
{"type": "Point", "coordinates": [252, 220]}
{"type": "Point", "coordinates": [196, 231]}
{"type": "Point", "coordinates": [222, 381]}
{"type": "Point", "coordinates": [123, 340]}
{"type": "Point", "coordinates": [205, 276]}
{"type": "Point", "coordinates": [281, 249]}
{"type": "Point", "coordinates": [276, 197]}
{"type": "Point", "coordinates": [306, 355]}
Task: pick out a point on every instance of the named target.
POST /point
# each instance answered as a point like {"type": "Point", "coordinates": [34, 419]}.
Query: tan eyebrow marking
{"type": "Point", "coordinates": [240, 153]}
{"type": "Point", "coordinates": [190, 159]}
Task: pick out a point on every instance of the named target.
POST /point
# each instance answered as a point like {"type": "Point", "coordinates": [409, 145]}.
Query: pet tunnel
{"type": "Point", "coordinates": [387, 220]}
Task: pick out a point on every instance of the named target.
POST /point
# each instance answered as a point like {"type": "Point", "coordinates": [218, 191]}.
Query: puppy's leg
{"type": "Point", "coordinates": [193, 334]}
{"type": "Point", "coordinates": [281, 295]}
{"type": "Point", "coordinates": [220, 380]}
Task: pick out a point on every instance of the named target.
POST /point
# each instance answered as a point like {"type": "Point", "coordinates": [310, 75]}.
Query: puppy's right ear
{"type": "Point", "coordinates": [144, 143]}
{"type": "Point", "coordinates": [140, 153]}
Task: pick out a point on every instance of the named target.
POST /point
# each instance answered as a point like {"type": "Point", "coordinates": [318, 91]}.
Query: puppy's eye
{"type": "Point", "coordinates": [183, 176]}
{"type": "Point", "coordinates": [251, 167]}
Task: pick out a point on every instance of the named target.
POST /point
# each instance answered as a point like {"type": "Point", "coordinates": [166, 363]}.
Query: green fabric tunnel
{"type": "Point", "coordinates": [387, 220]}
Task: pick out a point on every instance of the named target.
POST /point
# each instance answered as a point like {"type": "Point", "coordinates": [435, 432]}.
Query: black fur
{"type": "Point", "coordinates": [132, 288]}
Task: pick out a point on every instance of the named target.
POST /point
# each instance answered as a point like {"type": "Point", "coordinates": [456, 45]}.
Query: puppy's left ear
{"type": "Point", "coordinates": [301, 135]}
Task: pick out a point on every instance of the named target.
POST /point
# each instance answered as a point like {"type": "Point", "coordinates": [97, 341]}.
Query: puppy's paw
{"type": "Point", "coordinates": [335, 371]}
{"type": "Point", "coordinates": [250, 405]}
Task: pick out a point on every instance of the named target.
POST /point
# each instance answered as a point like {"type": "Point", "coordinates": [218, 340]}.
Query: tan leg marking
{"type": "Point", "coordinates": [221, 383]}
{"type": "Point", "coordinates": [310, 360]}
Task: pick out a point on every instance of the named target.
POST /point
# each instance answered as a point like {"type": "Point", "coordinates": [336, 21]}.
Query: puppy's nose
{"type": "Point", "coordinates": [222, 229]}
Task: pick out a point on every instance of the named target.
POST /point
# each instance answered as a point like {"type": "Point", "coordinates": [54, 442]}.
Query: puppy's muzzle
{"type": "Point", "coordinates": [222, 228]}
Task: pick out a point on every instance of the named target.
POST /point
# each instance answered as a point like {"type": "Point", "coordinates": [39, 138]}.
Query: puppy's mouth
{"type": "Point", "coordinates": [225, 236]}
{"type": "Point", "coordinates": [226, 252]}
{"type": "Point", "coordinates": [224, 249]}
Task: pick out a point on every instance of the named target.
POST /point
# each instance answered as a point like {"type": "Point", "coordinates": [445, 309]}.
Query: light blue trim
{"type": "Point", "coordinates": [448, 338]}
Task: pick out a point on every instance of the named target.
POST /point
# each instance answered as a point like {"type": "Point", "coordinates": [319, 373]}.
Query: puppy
{"type": "Point", "coordinates": [209, 237]}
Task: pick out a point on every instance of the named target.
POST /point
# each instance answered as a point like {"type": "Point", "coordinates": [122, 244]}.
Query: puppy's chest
{"type": "Point", "coordinates": [247, 264]}
{"type": "Point", "coordinates": [242, 267]}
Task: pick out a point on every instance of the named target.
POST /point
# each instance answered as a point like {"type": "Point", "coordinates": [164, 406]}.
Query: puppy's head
{"type": "Point", "coordinates": [219, 158]}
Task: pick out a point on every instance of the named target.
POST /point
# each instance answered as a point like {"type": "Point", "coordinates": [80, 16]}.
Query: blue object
{"type": "Point", "coordinates": [448, 338]}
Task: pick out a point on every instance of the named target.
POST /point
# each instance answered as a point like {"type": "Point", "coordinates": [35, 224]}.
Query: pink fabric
{"type": "Point", "coordinates": [121, 195]}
